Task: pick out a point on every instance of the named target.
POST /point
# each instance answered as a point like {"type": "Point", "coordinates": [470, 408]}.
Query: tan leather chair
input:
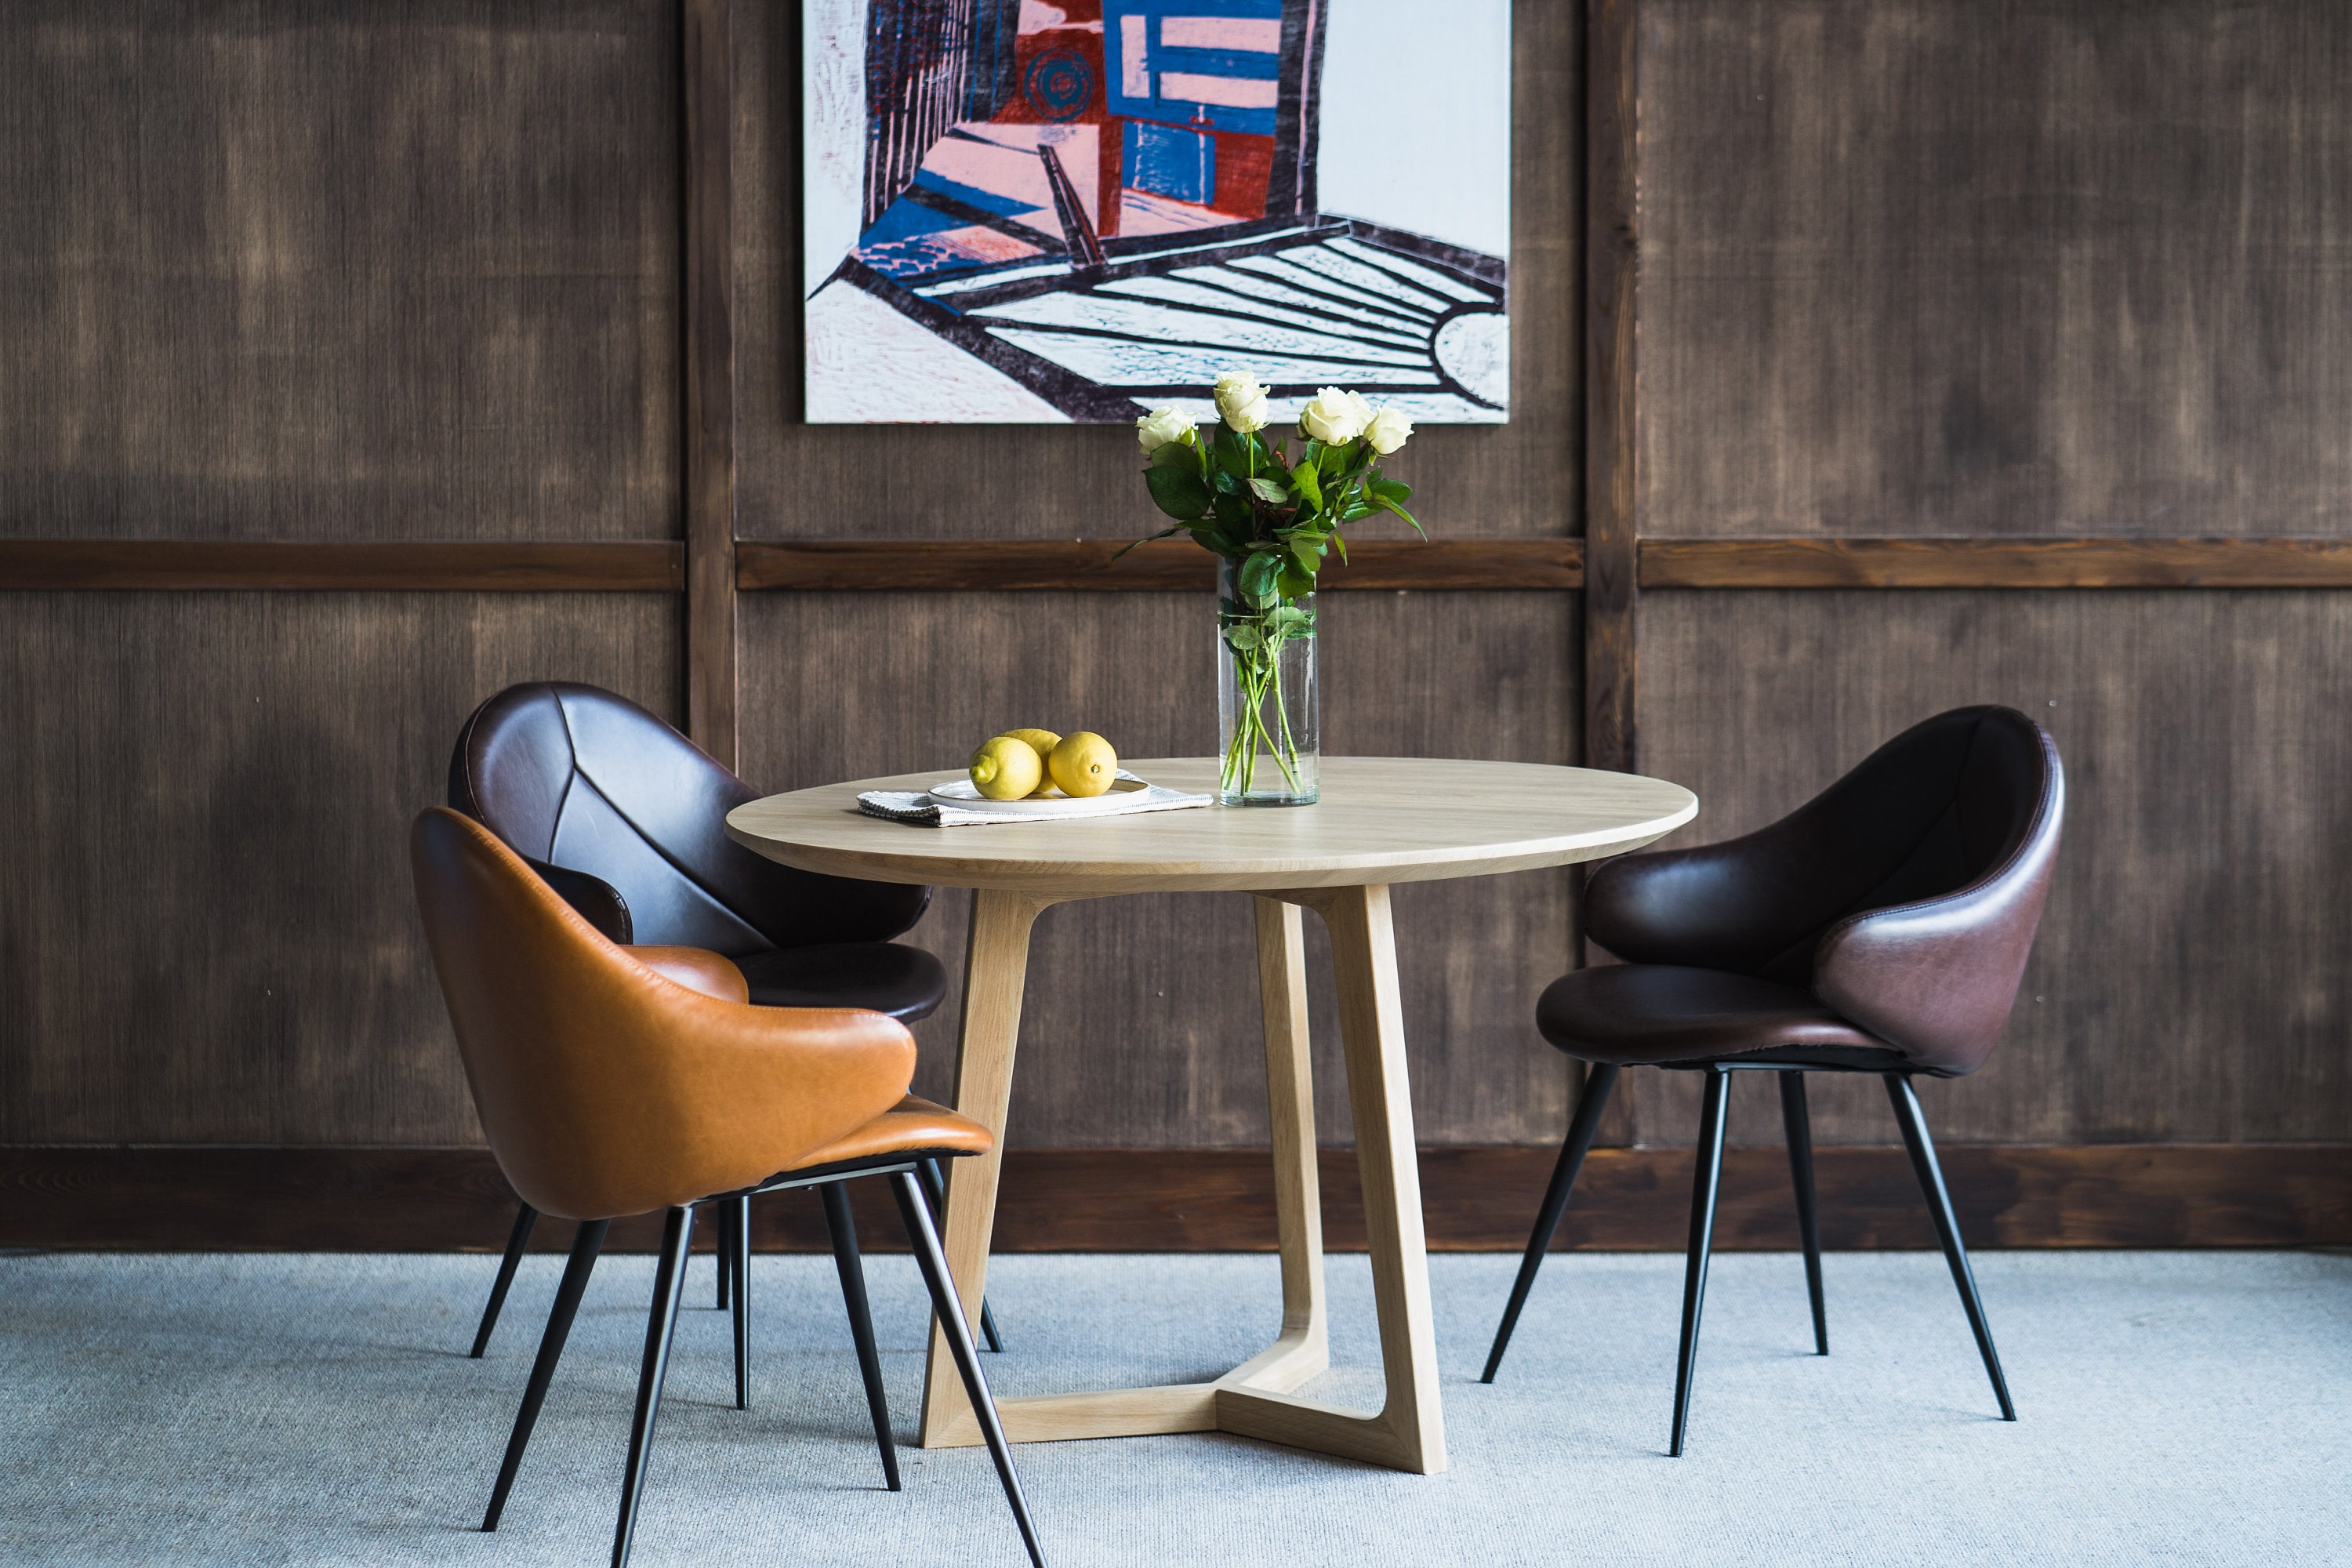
{"type": "Point", "coordinates": [618, 1080]}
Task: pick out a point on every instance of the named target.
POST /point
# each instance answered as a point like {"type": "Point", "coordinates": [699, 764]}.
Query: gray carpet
{"type": "Point", "coordinates": [2177, 1408]}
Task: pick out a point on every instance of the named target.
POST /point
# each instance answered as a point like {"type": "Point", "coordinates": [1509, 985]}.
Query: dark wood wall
{"type": "Point", "coordinates": [1862, 349]}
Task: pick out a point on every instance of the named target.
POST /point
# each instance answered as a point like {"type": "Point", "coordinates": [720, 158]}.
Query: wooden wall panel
{"type": "Point", "coordinates": [2189, 984]}
{"type": "Point", "coordinates": [401, 270]}
{"type": "Point", "coordinates": [1141, 1028]}
{"type": "Point", "coordinates": [914, 482]}
{"type": "Point", "coordinates": [1918, 267]}
{"type": "Point", "coordinates": [206, 930]}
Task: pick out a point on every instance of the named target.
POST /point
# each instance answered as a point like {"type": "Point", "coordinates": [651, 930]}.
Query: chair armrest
{"type": "Point", "coordinates": [1938, 978]}
{"type": "Point", "coordinates": [594, 899]}
{"type": "Point", "coordinates": [697, 969]}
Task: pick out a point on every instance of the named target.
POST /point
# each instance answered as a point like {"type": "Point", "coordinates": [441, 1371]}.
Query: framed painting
{"type": "Point", "coordinates": [1018, 212]}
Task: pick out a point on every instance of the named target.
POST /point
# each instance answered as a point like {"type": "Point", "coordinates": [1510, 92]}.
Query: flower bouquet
{"type": "Point", "coordinates": [1271, 520]}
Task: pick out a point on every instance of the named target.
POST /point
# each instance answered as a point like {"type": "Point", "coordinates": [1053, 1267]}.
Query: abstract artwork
{"type": "Point", "coordinates": [1018, 212]}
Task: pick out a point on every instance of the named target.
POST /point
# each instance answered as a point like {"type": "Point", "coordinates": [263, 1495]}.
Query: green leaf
{"type": "Point", "coordinates": [1257, 577]}
{"type": "Point", "coordinates": [1306, 481]}
{"type": "Point", "coordinates": [1176, 455]}
{"type": "Point", "coordinates": [1307, 552]}
{"type": "Point", "coordinates": [1387, 505]}
{"type": "Point", "coordinates": [1342, 543]}
{"type": "Point", "coordinates": [1333, 459]}
{"type": "Point", "coordinates": [1179, 492]}
{"type": "Point", "coordinates": [1244, 637]}
{"type": "Point", "coordinates": [1268, 491]}
{"type": "Point", "coordinates": [1173, 528]}
{"type": "Point", "coordinates": [1293, 584]}
{"type": "Point", "coordinates": [1357, 510]}
{"type": "Point", "coordinates": [1391, 490]}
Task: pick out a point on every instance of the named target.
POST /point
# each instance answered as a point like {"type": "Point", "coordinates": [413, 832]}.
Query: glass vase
{"type": "Point", "coordinates": [1266, 700]}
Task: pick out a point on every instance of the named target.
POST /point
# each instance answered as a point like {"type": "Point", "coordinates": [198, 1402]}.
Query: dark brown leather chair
{"type": "Point", "coordinates": [614, 1081]}
{"type": "Point", "coordinates": [1882, 928]}
{"type": "Point", "coordinates": [625, 818]}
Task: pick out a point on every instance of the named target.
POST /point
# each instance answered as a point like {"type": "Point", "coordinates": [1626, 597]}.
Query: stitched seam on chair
{"type": "Point", "coordinates": [555, 822]}
{"type": "Point", "coordinates": [580, 770]}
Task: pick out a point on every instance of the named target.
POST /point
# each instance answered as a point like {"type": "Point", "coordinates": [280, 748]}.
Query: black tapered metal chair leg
{"type": "Point", "coordinates": [1706, 1181]}
{"type": "Point", "coordinates": [661, 1326]}
{"type": "Point", "coordinates": [935, 1193]}
{"type": "Point", "coordinates": [852, 1270]}
{"type": "Point", "coordinates": [576, 1269]}
{"type": "Point", "coordinates": [738, 1257]}
{"type": "Point", "coordinates": [1948, 1228]}
{"type": "Point", "coordinates": [1598, 1081]}
{"type": "Point", "coordinates": [724, 1255]}
{"type": "Point", "coordinates": [516, 1239]}
{"type": "Point", "coordinates": [1800, 1128]}
{"type": "Point", "coordinates": [934, 1264]}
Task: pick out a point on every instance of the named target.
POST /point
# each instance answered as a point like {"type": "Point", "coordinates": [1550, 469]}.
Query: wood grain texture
{"type": "Point", "coordinates": [206, 930]}
{"type": "Point", "coordinates": [364, 271]}
{"type": "Point", "coordinates": [1379, 820]}
{"type": "Point", "coordinates": [1519, 479]}
{"type": "Point", "coordinates": [2187, 983]}
{"type": "Point", "coordinates": [1611, 308]}
{"type": "Point", "coordinates": [707, 62]}
{"type": "Point", "coordinates": [2305, 562]}
{"type": "Point", "coordinates": [468, 566]}
{"type": "Point", "coordinates": [1088, 565]}
{"type": "Point", "coordinates": [1915, 268]}
{"type": "Point", "coordinates": [109, 1197]}
{"type": "Point", "coordinates": [1143, 1020]}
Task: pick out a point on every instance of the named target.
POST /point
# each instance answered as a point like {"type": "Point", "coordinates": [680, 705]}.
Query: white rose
{"type": "Point", "coordinates": [1388, 430]}
{"type": "Point", "coordinates": [1331, 418]}
{"type": "Point", "coordinates": [1363, 409]}
{"type": "Point", "coordinates": [1159, 426]}
{"type": "Point", "coordinates": [1241, 401]}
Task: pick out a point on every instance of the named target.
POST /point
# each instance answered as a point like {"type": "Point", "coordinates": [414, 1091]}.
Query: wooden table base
{"type": "Point", "coordinates": [1254, 1399]}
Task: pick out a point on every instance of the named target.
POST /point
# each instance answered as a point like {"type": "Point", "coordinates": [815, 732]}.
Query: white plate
{"type": "Point", "coordinates": [963, 792]}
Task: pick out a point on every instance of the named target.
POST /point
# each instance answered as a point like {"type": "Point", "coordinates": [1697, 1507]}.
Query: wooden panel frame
{"type": "Point", "coordinates": [1009, 566]}
{"type": "Point", "coordinates": [472, 566]}
{"type": "Point", "coordinates": [707, 60]}
{"type": "Point", "coordinates": [105, 1197]}
{"type": "Point", "coordinates": [1980, 562]}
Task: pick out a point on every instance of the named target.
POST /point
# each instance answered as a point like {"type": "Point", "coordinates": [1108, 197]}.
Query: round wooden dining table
{"type": "Point", "coordinates": [1381, 820]}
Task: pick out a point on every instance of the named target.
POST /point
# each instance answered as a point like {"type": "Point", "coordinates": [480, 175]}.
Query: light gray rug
{"type": "Point", "coordinates": [2175, 1408]}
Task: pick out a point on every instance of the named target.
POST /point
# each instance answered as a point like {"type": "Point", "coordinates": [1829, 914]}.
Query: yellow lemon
{"type": "Point", "coordinates": [1007, 768]}
{"type": "Point", "coordinates": [1042, 742]}
{"type": "Point", "coordinates": [1084, 764]}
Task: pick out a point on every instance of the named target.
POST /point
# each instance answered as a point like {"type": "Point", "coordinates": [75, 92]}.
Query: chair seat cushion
{"type": "Point", "coordinates": [883, 976]}
{"type": "Point", "coordinates": [909, 1126]}
{"type": "Point", "coordinates": [1660, 1013]}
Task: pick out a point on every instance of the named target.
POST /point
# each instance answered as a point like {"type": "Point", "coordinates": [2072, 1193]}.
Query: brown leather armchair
{"type": "Point", "coordinates": [1884, 927]}
{"type": "Point", "coordinates": [614, 1081]}
{"type": "Point", "coordinates": [624, 818]}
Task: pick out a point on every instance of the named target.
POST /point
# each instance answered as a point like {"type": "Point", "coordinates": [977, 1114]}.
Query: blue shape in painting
{"type": "Point", "coordinates": [1058, 85]}
{"type": "Point", "coordinates": [1215, 64]}
{"type": "Point", "coordinates": [1170, 163]}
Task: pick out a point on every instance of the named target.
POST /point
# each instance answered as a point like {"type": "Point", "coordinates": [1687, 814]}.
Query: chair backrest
{"type": "Point", "coordinates": [1906, 894]}
{"type": "Point", "coordinates": [605, 1087]}
{"type": "Point", "coordinates": [582, 779]}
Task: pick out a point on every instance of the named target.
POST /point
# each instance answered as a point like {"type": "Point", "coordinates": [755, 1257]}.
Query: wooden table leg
{"type": "Point", "coordinates": [1409, 1432]}
{"type": "Point", "coordinates": [1254, 1399]}
{"type": "Point", "coordinates": [1304, 1349]}
{"type": "Point", "coordinates": [996, 964]}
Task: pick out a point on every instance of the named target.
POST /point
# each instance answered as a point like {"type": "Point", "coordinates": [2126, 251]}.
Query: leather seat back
{"type": "Point", "coordinates": [606, 1087]}
{"type": "Point", "coordinates": [585, 780]}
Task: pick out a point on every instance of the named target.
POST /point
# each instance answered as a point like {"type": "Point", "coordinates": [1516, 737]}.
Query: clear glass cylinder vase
{"type": "Point", "coordinates": [1268, 705]}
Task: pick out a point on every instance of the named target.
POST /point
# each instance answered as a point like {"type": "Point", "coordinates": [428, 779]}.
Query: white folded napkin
{"type": "Point", "coordinates": [920, 809]}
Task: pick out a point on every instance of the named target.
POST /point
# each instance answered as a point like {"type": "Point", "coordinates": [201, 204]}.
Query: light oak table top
{"type": "Point", "coordinates": [1380, 819]}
